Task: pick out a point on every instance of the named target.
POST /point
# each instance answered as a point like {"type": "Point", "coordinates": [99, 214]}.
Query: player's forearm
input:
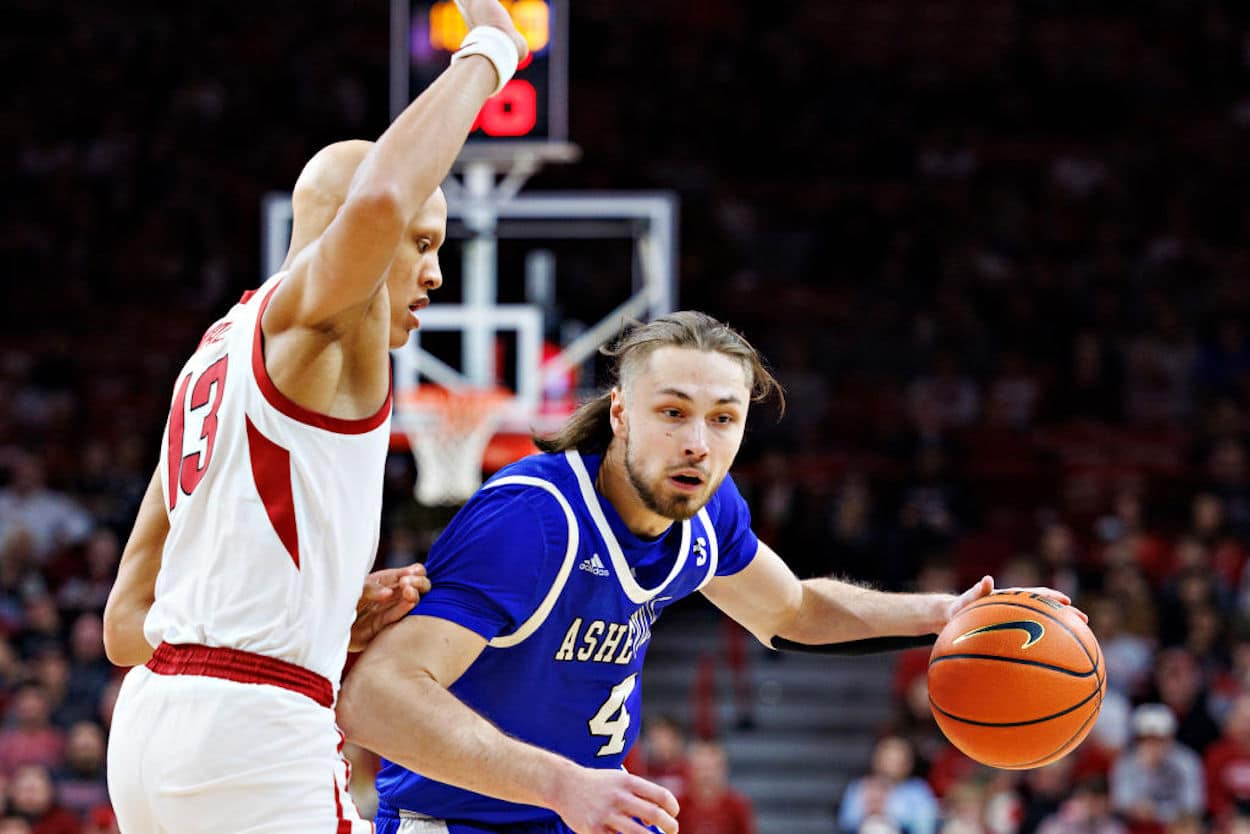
{"type": "Point", "coordinates": [134, 590]}
{"type": "Point", "coordinates": [418, 724]}
{"type": "Point", "coordinates": [416, 152]}
{"type": "Point", "coordinates": [833, 611]}
{"type": "Point", "coordinates": [124, 643]}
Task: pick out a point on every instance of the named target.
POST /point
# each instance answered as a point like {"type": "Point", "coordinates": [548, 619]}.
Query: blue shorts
{"type": "Point", "coordinates": [388, 821]}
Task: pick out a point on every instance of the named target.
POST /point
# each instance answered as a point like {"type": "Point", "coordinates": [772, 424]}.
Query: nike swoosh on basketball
{"type": "Point", "coordinates": [1034, 629]}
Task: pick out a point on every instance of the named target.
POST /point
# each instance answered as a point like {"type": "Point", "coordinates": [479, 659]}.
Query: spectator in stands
{"type": "Point", "coordinates": [28, 737]}
{"type": "Point", "coordinates": [1158, 780]}
{"type": "Point", "coordinates": [1128, 587]}
{"type": "Point", "coordinates": [88, 589]}
{"type": "Point", "coordinates": [945, 397]}
{"type": "Point", "coordinates": [80, 783]}
{"type": "Point", "coordinates": [660, 755]}
{"type": "Point", "coordinates": [1179, 683]}
{"type": "Point", "coordinates": [51, 671]}
{"type": "Point", "coordinates": [1087, 811]}
{"type": "Point", "coordinates": [101, 820]}
{"type": "Point", "coordinates": [32, 797]}
{"type": "Point", "coordinates": [1229, 480]}
{"type": "Point", "coordinates": [19, 579]}
{"type": "Point", "coordinates": [909, 802]}
{"type": "Point", "coordinates": [53, 519]}
{"type": "Point", "coordinates": [1092, 377]}
{"type": "Point", "coordinates": [108, 698]}
{"type": "Point", "coordinates": [1227, 764]}
{"type": "Point", "coordinates": [1129, 657]}
{"type": "Point", "coordinates": [1208, 523]}
{"type": "Point", "coordinates": [709, 804]}
{"type": "Point", "coordinates": [877, 819]}
{"type": "Point", "coordinates": [1060, 559]}
{"type": "Point", "coordinates": [1043, 791]}
{"type": "Point", "coordinates": [90, 670]}
{"type": "Point", "coordinates": [41, 626]}
{"type": "Point", "coordinates": [1013, 393]}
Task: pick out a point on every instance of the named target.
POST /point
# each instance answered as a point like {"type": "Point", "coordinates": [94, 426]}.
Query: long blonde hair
{"type": "Point", "coordinates": [589, 428]}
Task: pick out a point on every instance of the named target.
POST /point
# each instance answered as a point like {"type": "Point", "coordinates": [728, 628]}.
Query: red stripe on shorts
{"type": "Point", "coordinates": [241, 667]}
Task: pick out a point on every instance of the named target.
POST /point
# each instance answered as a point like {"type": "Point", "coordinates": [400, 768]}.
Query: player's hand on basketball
{"type": "Point", "coordinates": [491, 13]}
{"type": "Point", "coordinates": [985, 587]}
{"type": "Point", "coordinates": [388, 595]}
{"type": "Point", "coordinates": [616, 801]}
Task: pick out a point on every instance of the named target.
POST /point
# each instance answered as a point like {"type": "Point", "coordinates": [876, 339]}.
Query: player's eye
{"type": "Point", "coordinates": [423, 245]}
{"type": "Point", "coordinates": [673, 413]}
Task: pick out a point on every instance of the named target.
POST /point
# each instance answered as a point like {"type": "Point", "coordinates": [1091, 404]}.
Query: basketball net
{"type": "Point", "coordinates": [448, 431]}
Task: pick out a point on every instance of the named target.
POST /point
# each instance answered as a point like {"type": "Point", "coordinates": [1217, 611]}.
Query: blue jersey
{"type": "Point", "coordinates": [541, 565]}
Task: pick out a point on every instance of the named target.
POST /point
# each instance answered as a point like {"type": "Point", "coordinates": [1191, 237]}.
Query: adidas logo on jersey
{"type": "Point", "coordinates": [594, 565]}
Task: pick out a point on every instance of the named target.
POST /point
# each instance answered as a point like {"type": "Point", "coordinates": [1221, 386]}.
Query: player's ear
{"type": "Point", "coordinates": [616, 414]}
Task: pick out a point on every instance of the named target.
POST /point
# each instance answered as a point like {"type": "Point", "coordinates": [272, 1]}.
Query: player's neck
{"type": "Point", "coordinates": [613, 483]}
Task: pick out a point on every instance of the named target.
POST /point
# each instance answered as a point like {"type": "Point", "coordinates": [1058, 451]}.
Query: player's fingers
{"type": "Point", "coordinates": [394, 614]}
{"type": "Point", "coordinates": [649, 813]}
{"type": "Point", "coordinates": [1049, 593]}
{"type": "Point", "coordinates": [412, 587]}
{"type": "Point", "coordinates": [626, 825]}
{"type": "Point", "coordinates": [373, 592]}
{"type": "Point", "coordinates": [655, 794]}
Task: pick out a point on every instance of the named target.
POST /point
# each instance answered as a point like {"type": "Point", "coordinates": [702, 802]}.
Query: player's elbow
{"type": "Point", "coordinates": [354, 713]}
{"type": "Point", "coordinates": [124, 645]}
{"type": "Point", "coordinates": [378, 207]}
{"type": "Point", "coordinates": [373, 695]}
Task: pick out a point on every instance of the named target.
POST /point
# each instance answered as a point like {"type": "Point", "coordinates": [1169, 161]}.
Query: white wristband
{"type": "Point", "coordinates": [493, 45]}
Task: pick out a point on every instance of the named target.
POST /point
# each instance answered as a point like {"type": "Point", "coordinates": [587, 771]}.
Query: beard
{"type": "Point", "coordinates": [675, 507]}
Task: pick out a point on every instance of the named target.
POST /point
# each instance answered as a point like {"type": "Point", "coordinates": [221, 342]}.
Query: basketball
{"type": "Point", "coordinates": [1016, 680]}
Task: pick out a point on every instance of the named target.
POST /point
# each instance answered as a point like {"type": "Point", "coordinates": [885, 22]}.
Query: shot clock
{"type": "Point", "coordinates": [532, 108]}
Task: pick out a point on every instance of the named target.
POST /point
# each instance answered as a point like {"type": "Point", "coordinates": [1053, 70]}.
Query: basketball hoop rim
{"type": "Point", "coordinates": [508, 152]}
{"type": "Point", "coordinates": [440, 400]}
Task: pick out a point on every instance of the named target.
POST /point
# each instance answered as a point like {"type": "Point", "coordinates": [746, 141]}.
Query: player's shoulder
{"type": "Point", "coordinates": [544, 466]}
{"type": "Point", "coordinates": [727, 491]}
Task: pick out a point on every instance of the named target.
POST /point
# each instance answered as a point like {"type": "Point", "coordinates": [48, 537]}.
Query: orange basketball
{"type": "Point", "coordinates": [1016, 680]}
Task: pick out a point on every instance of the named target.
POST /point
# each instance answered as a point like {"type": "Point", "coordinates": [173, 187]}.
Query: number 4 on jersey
{"type": "Point", "coordinates": [186, 471]}
{"type": "Point", "coordinates": [612, 719]}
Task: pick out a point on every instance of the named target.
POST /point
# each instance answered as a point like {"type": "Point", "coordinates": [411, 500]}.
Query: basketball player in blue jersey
{"type": "Point", "coordinates": [507, 701]}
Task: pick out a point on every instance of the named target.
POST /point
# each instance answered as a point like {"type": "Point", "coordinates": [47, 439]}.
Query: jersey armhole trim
{"type": "Point", "coordinates": [557, 586]}
{"type": "Point", "coordinates": [294, 410]}
{"type": "Point", "coordinates": [712, 546]}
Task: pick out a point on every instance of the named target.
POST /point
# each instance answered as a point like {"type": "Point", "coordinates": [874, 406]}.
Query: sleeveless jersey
{"type": "Point", "coordinates": [542, 566]}
{"type": "Point", "coordinates": [274, 510]}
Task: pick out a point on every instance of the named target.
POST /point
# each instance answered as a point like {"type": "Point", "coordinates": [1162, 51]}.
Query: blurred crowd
{"type": "Point", "coordinates": [997, 253]}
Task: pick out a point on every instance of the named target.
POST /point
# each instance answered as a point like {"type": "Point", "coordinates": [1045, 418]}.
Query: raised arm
{"type": "Point", "coordinates": [395, 702]}
{"type": "Point", "coordinates": [135, 589]}
{"type": "Point", "coordinates": [346, 267]}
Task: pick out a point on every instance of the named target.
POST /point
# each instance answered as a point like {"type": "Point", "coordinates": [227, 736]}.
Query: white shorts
{"type": "Point", "coordinates": [192, 754]}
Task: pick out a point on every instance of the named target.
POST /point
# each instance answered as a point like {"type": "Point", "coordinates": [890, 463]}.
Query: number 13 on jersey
{"type": "Point", "coordinates": [200, 399]}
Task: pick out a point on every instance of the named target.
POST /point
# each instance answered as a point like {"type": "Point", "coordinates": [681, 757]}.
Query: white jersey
{"type": "Point", "coordinates": [274, 510]}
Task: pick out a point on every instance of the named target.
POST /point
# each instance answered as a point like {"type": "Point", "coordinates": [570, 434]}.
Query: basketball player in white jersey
{"type": "Point", "coordinates": [239, 590]}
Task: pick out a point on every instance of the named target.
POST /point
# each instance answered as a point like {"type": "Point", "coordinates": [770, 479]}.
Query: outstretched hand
{"type": "Point", "coordinates": [985, 587]}
{"type": "Point", "coordinates": [491, 13]}
{"type": "Point", "coordinates": [388, 595]}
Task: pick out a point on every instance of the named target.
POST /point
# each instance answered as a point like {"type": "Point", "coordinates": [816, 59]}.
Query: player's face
{"type": "Point", "coordinates": [682, 419]}
{"type": "Point", "coordinates": [415, 272]}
